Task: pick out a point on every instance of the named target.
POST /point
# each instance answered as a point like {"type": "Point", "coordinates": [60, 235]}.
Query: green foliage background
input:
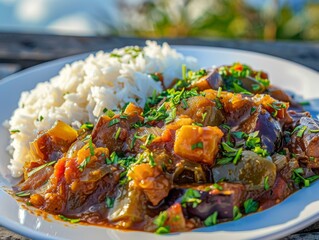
{"type": "Point", "coordinates": [218, 19]}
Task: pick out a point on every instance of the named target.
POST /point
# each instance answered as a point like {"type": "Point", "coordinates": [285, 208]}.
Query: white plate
{"type": "Point", "coordinates": [298, 211]}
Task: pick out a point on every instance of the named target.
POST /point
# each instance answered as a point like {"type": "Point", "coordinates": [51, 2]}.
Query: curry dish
{"type": "Point", "coordinates": [216, 145]}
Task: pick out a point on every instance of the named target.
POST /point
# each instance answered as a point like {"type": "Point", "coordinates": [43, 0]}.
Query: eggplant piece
{"type": "Point", "coordinates": [210, 200]}
{"type": "Point", "coordinates": [212, 80]}
{"type": "Point", "coordinates": [252, 85]}
{"type": "Point", "coordinates": [251, 170]}
{"type": "Point", "coordinates": [270, 132]}
{"type": "Point", "coordinates": [305, 139]}
{"type": "Point", "coordinates": [223, 201]}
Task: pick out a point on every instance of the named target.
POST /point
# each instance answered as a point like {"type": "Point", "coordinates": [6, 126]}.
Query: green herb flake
{"type": "Point", "coordinates": [219, 92]}
{"type": "Point", "coordinates": [171, 116]}
{"type": "Point", "coordinates": [108, 113]}
{"type": "Point", "coordinates": [154, 77]}
{"type": "Point", "coordinates": [218, 187]}
{"type": "Point", "coordinates": [184, 104]}
{"type": "Point", "coordinates": [109, 202]}
{"type": "Point", "coordinates": [191, 196]}
{"type": "Point", "coordinates": [151, 159]}
{"type": "Point", "coordinates": [238, 155]}
{"type": "Point", "coordinates": [225, 160]}
{"type": "Point", "coordinates": [184, 72]}
{"type": "Point", "coordinates": [163, 230]}
{"type": "Point", "coordinates": [197, 145]}
{"type": "Point", "coordinates": [252, 110]}
{"type": "Point", "coordinates": [149, 139]}
{"type": "Point", "coordinates": [40, 119]}
{"type": "Point", "coordinates": [117, 134]}
{"type": "Point", "coordinates": [84, 163]}
{"type": "Point", "coordinates": [250, 206]}
{"type": "Point", "coordinates": [301, 131]}
{"type": "Point", "coordinates": [266, 184]}
{"type": "Point", "coordinates": [204, 115]}
{"type": "Point", "coordinates": [160, 220]}
{"type": "Point", "coordinates": [14, 131]}
{"type": "Point", "coordinates": [87, 126]}
{"type": "Point", "coordinates": [314, 130]}
{"type": "Point", "coordinates": [113, 122]}
{"type": "Point", "coordinates": [23, 194]}
{"type": "Point", "coordinates": [33, 171]}
{"type": "Point", "coordinates": [197, 124]}
{"type": "Point", "coordinates": [304, 103]}
{"type": "Point", "coordinates": [211, 220]}
{"type": "Point", "coordinates": [236, 213]}
{"type": "Point", "coordinates": [71, 220]}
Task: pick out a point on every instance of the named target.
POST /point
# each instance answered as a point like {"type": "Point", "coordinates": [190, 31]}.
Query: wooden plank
{"type": "Point", "coordinates": [30, 49]}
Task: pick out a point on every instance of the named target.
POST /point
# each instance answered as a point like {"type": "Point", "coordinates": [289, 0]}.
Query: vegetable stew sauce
{"type": "Point", "coordinates": [216, 145]}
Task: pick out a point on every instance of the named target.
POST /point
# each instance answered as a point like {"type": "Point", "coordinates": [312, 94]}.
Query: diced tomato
{"type": "Point", "coordinates": [59, 168]}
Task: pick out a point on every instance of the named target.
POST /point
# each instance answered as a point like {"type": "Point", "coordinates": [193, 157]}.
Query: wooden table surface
{"type": "Point", "coordinates": [20, 51]}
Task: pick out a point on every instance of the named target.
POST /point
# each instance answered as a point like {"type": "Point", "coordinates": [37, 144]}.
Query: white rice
{"type": "Point", "coordinates": [84, 88]}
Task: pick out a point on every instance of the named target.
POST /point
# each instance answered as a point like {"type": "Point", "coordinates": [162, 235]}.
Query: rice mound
{"type": "Point", "coordinates": [83, 89]}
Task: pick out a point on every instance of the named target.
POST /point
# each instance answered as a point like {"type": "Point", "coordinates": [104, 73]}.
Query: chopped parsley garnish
{"type": "Point", "coordinates": [266, 184]}
{"type": "Point", "coordinates": [219, 92]}
{"type": "Point", "coordinates": [33, 171]}
{"type": "Point", "coordinates": [197, 145]}
{"type": "Point", "coordinates": [253, 143]}
{"type": "Point", "coordinates": [276, 106]}
{"type": "Point", "coordinates": [23, 194]}
{"type": "Point", "coordinates": [191, 196]}
{"type": "Point", "coordinates": [154, 77]}
{"type": "Point", "coordinates": [204, 116]}
{"type": "Point", "coordinates": [229, 154]}
{"type": "Point", "coordinates": [301, 131]}
{"type": "Point", "coordinates": [250, 206]}
{"type": "Point", "coordinates": [159, 221]}
{"type": "Point", "coordinates": [171, 116]}
{"type": "Point", "coordinates": [151, 159]}
{"type": "Point", "coordinates": [71, 220]}
{"type": "Point", "coordinates": [40, 119]}
{"type": "Point", "coordinates": [211, 220]}
{"type": "Point", "coordinates": [300, 180]}
{"type": "Point", "coordinates": [217, 186]}
{"type": "Point", "coordinates": [184, 72]}
{"type": "Point", "coordinates": [314, 130]}
{"type": "Point", "coordinates": [113, 122]}
{"type": "Point", "coordinates": [236, 213]}
{"type": "Point", "coordinates": [108, 112]}
{"type": "Point", "coordinates": [252, 110]}
{"type": "Point", "coordinates": [184, 104]}
{"type": "Point", "coordinates": [14, 131]}
{"type": "Point", "coordinates": [87, 126]}
{"type": "Point", "coordinates": [109, 202]}
{"type": "Point", "coordinates": [117, 134]}
{"type": "Point", "coordinates": [149, 139]}
{"type": "Point", "coordinates": [85, 162]}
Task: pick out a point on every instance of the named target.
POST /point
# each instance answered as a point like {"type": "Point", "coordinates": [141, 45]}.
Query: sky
{"type": "Point", "coordinates": [74, 17]}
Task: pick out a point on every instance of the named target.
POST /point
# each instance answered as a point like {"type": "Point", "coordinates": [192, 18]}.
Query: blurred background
{"type": "Point", "coordinates": [219, 19]}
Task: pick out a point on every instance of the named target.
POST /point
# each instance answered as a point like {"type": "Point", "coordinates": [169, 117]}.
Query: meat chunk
{"type": "Point", "coordinates": [305, 139]}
